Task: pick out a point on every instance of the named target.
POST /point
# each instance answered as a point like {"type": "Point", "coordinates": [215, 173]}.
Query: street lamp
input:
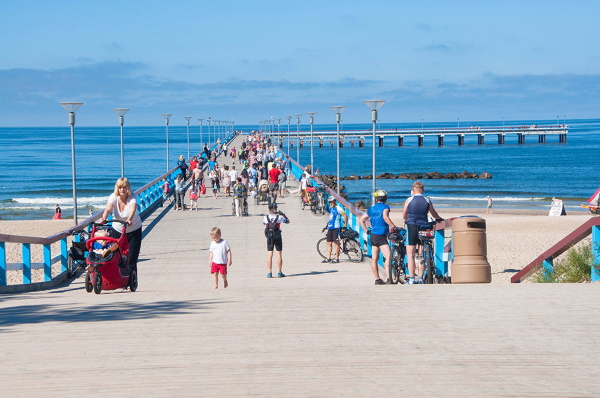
{"type": "Point", "coordinates": [312, 115]}
{"type": "Point", "coordinates": [289, 118]}
{"type": "Point", "coordinates": [71, 107]}
{"type": "Point", "coordinates": [201, 146]}
{"type": "Point", "coordinates": [298, 138]}
{"type": "Point", "coordinates": [208, 120]}
{"type": "Point", "coordinates": [374, 105]}
{"type": "Point", "coordinates": [279, 131]}
{"type": "Point", "coordinates": [121, 112]}
{"type": "Point", "coordinates": [187, 121]}
{"type": "Point", "coordinates": [338, 118]}
{"type": "Point", "coordinates": [167, 116]}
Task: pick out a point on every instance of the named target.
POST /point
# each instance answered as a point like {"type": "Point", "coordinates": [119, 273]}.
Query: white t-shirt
{"type": "Point", "coordinates": [233, 174]}
{"type": "Point", "coordinates": [136, 221]}
{"type": "Point", "coordinates": [220, 251]}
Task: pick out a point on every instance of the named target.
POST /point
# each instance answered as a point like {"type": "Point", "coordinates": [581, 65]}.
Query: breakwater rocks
{"type": "Point", "coordinates": [421, 176]}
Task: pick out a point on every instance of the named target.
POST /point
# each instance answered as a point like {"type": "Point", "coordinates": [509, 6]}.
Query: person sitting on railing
{"type": "Point", "coordinates": [416, 209]}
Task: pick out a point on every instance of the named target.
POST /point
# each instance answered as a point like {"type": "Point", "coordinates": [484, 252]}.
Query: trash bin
{"type": "Point", "coordinates": [470, 263]}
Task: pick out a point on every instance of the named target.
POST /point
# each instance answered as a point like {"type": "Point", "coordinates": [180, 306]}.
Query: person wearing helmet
{"type": "Point", "coordinates": [378, 216]}
{"type": "Point", "coordinates": [336, 213]}
{"type": "Point", "coordinates": [272, 222]}
{"type": "Point", "coordinates": [416, 209]}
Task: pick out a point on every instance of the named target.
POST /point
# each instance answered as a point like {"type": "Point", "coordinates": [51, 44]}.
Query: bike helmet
{"type": "Point", "coordinates": [331, 199]}
{"type": "Point", "coordinates": [380, 194]}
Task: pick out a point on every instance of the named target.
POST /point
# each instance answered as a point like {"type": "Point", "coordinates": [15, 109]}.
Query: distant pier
{"type": "Point", "coordinates": [456, 134]}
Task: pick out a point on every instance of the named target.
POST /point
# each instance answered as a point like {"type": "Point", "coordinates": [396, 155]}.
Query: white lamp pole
{"type": "Point", "coordinates": [338, 118]}
{"type": "Point", "coordinates": [71, 107]}
{"type": "Point", "coordinates": [312, 115]}
{"type": "Point", "coordinates": [298, 138]}
{"type": "Point", "coordinates": [279, 131]}
{"type": "Point", "coordinates": [167, 116]}
{"type": "Point", "coordinates": [208, 120]}
{"type": "Point", "coordinates": [201, 146]}
{"type": "Point", "coordinates": [121, 112]}
{"type": "Point", "coordinates": [374, 105]}
{"type": "Point", "coordinates": [187, 121]}
{"type": "Point", "coordinates": [289, 118]}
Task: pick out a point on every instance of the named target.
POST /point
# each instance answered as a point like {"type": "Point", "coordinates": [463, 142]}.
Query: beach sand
{"type": "Point", "coordinates": [514, 237]}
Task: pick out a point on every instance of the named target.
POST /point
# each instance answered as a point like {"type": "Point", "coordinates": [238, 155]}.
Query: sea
{"type": "Point", "coordinates": [37, 174]}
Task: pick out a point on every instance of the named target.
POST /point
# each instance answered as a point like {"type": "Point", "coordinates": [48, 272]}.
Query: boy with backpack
{"type": "Point", "coordinates": [272, 222]}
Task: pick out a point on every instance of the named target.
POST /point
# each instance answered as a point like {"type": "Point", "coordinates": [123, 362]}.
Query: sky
{"type": "Point", "coordinates": [247, 61]}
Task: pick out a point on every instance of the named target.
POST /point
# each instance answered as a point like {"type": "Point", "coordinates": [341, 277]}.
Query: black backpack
{"type": "Point", "coordinates": [272, 230]}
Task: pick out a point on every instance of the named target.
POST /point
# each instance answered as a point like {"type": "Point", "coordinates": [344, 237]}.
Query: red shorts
{"type": "Point", "coordinates": [220, 268]}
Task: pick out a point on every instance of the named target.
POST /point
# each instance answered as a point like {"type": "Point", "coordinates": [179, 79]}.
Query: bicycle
{"type": "Point", "coordinates": [426, 236]}
{"type": "Point", "coordinates": [317, 203]}
{"type": "Point", "coordinates": [77, 253]}
{"type": "Point", "coordinates": [397, 273]}
{"type": "Point", "coordinates": [348, 245]}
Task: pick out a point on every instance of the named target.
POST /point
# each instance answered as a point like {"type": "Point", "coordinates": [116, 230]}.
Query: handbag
{"type": "Point", "coordinates": [193, 196]}
{"type": "Point", "coordinates": [203, 189]}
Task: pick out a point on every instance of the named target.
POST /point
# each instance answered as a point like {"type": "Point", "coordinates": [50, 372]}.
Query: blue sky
{"type": "Point", "coordinates": [249, 60]}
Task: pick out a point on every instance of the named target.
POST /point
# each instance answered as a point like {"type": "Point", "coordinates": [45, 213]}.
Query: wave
{"type": "Point", "coordinates": [61, 201]}
{"type": "Point", "coordinates": [484, 199]}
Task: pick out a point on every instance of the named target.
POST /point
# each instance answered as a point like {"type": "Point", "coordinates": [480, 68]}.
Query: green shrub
{"type": "Point", "coordinates": [574, 267]}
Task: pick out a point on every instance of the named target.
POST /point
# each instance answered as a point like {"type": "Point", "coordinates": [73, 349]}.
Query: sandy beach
{"type": "Point", "coordinates": [514, 237]}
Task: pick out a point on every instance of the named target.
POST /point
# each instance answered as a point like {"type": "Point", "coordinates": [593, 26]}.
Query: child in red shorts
{"type": "Point", "coordinates": [220, 257]}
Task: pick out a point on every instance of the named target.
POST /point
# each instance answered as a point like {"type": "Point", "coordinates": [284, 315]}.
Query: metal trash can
{"type": "Point", "coordinates": [470, 263]}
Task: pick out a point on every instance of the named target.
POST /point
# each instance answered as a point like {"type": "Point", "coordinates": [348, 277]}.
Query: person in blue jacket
{"type": "Point", "coordinates": [378, 217]}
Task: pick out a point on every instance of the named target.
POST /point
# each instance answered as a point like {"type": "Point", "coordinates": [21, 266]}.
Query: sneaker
{"type": "Point", "coordinates": [419, 281]}
{"type": "Point", "coordinates": [327, 260]}
{"type": "Point", "coordinates": [379, 282]}
{"type": "Point", "coordinates": [411, 281]}
{"type": "Point", "coordinates": [335, 261]}
{"type": "Point", "coordinates": [280, 275]}
{"type": "Point", "coordinates": [269, 275]}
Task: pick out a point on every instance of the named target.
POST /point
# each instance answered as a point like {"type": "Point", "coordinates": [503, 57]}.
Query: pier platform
{"type": "Point", "coordinates": [325, 330]}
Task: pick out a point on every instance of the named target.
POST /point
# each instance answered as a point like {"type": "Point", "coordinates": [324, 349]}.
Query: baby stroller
{"type": "Point", "coordinates": [244, 207]}
{"type": "Point", "coordinates": [308, 197]}
{"type": "Point", "coordinates": [77, 253]}
{"type": "Point", "coordinates": [108, 267]}
{"type": "Point", "coordinates": [262, 193]}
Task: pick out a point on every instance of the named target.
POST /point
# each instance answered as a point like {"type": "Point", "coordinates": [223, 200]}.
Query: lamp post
{"type": "Point", "coordinates": [208, 120]}
{"type": "Point", "coordinates": [279, 131]}
{"type": "Point", "coordinates": [289, 118]}
{"type": "Point", "coordinates": [298, 138]}
{"type": "Point", "coordinates": [374, 105]}
{"type": "Point", "coordinates": [312, 115]}
{"type": "Point", "coordinates": [121, 112]}
{"type": "Point", "coordinates": [201, 146]}
{"type": "Point", "coordinates": [167, 116]}
{"type": "Point", "coordinates": [71, 107]}
{"type": "Point", "coordinates": [187, 121]}
{"type": "Point", "coordinates": [338, 118]}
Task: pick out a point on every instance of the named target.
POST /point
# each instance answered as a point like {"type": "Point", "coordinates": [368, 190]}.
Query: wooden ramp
{"type": "Point", "coordinates": [323, 331]}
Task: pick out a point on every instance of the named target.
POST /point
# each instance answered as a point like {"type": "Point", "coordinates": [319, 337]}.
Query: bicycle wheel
{"type": "Point", "coordinates": [429, 265]}
{"type": "Point", "coordinates": [322, 248]}
{"type": "Point", "coordinates": [353, 250]}
{"type": "Point", "coordinates": [397, 274]}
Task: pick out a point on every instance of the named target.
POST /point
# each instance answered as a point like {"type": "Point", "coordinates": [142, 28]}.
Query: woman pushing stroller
{"type": "Point", "coordinates": [122, 204]}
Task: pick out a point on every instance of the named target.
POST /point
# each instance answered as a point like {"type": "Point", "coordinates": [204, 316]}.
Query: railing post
{"type": "Point", "coordinates": [64, 250]}
{"type": "Point", "coordinates": [2, 264]}
{"type": "Point", "coordinates": [548, 265]}
{"type": "Point", "coordinates": [26, 250]}
{"type": "Point", "coordinates": [47, 263]}
{"type": "Point", "coordinates": [441, 266]}
{"type": "Point", "coordinates": [595, 252]}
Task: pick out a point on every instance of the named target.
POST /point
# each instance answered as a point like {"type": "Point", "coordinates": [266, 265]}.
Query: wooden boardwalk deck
{"type": "Point", "coordinates": [323, 331]}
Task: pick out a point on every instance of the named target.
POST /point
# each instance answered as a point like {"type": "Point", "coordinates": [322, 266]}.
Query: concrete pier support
{"type": "Point", "coordinates": [520, 138]}
{"type": "Point", "coordinates": [320, 143]}
{"type": "Point", "coordinates": [380, 139]}
{"type": "Point", "coordinates": [361, 143]}
{"type": "Point", "coordinates": [420, 139]}
{"type": "Point", "coordinates": [301, 143]}
{"type": "Point", "coordinates": [441, 140]}
{"type": "Point", "coordinates": [400, 140]}
{"type": "Point", "coordinates": [461, 139]}
{"type": "Point", "coordinates": [542, 138]}
{"type": "Point", "coordinates": [500, 139]}
{"type": "Point", "coordinates": [562, 138]}
{"type": "Point", "coordinates": [480, 139]}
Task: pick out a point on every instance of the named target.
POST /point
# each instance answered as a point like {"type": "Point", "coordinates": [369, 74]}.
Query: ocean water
{"type": "Point", "coordinates": [36, 165]}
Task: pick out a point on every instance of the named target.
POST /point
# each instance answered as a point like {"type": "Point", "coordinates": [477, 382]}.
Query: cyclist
{"type": "Point", "coordinates": [416, 209]}
{"type": "Point", "coordinates": [379, 218]}
{"type": "Point", "coordinates": [333, 229]}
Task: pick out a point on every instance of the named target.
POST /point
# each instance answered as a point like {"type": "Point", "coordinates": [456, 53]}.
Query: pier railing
{"type": "Point", "coordinates": [546, 259]}
{"type": "Point", "coordinates": [149, 197]}
{"type": "Point", "coordinates": [442, 245]}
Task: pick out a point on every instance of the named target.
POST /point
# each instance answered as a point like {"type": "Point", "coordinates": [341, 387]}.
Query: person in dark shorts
{"type": "Point", "coordinates": [378, 216]}
{"type": "Point", "coordinates": [272, 222]}
{"type": "Point", "coordinates": [334, 225]}
{"type": "Point", "coordinates": [415, 213]}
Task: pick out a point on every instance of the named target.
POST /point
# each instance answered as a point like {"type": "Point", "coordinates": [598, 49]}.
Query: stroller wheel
{"type": "Point", "coordinates": [98, 282]}
{"type": "Point", "coordinates": [88, 283]}
{"type": "Point", "coordinates": [133, 281]}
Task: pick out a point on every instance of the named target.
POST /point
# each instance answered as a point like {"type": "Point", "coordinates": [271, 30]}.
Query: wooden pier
{"type": "Point", "coordinates": [358, 138]}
